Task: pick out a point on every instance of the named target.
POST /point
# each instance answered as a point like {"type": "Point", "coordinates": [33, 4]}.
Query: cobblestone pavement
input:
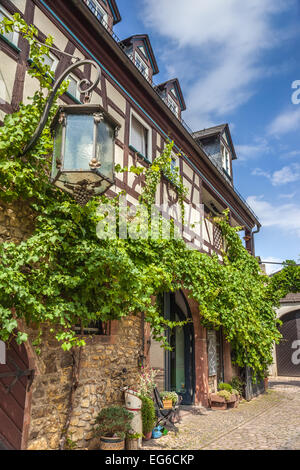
{"type": "Point", "coordinates": [270, 421]}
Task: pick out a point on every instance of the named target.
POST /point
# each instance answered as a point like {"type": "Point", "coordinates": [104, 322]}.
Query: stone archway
{"type": "Point", "coordinates": [15, 380]}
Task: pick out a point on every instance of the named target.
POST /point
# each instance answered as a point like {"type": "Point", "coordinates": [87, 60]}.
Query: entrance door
{"type": "Point", "coordinates": [288, 350]}
{"type": "Point", "coordinates": [13, 384]}
{"type": "Point", "coordinates": [179, 370]}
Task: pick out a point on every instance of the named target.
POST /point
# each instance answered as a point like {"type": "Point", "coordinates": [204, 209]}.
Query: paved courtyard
{"type": "Point", "coordinates": [270, 421]}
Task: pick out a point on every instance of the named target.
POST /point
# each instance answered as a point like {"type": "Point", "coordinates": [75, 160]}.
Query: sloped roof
{"type": "Point", "coordinates": [177, 86]}
{"type": "Point", "coordinates": [148, 47]}
{"type": "Point", "coordinates": [115, 11]}
{"type": "Point", "coordinates": [215, 130]}
{"type": "Point", "coordinates": [293, 298]}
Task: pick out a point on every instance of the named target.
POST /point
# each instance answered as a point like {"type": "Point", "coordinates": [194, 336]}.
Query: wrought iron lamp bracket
{"type": "Point", "coordinates": [87, 92]}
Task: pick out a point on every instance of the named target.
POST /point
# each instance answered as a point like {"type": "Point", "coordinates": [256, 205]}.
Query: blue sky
{"type": "Point", "coordinates": [236, 62]}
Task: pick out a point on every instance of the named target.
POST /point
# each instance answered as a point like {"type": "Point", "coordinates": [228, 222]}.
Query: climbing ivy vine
{"type": "Point", "coordinates": [64, 274]}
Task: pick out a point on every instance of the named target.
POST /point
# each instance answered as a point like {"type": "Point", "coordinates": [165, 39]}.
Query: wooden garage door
{"type": "Point", "coordinates": [14, 375]}
{"type": "Point", "coordinates": [288, 350]}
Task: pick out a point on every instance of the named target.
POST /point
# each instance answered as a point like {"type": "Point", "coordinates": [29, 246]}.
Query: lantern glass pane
{"type": "Point", "coordinates": [105, 149]}
{"type": "Point", "coordinates": [57, 150]}
{"type": "Point", "coordinates": [79, 142]}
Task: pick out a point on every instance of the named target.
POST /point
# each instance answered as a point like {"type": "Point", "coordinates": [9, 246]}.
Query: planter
{"type": "Point", "coordinates": [147, 436]}
{"type": "Point", "coordinates": [132, 444]}
{"type": "Point", "coordinates": [167, 404]}
{"type": "Point", "coordinates": [233, 402]}
{"type": "Point", "coordinates": [112, 443]}
{"type": "Point", "coordinates": [217, 402]}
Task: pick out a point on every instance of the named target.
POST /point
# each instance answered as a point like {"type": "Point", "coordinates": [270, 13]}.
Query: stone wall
{"type": "Point", "coordinates": [101, 377]}
{"type": "Point", "coordinates": [16, 222]}
{"type": "Point", "coordinates": [101, 367]}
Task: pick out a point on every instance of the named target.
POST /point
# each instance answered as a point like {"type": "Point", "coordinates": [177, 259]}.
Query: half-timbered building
{"type": "Point", "coordinates": [32, 410]}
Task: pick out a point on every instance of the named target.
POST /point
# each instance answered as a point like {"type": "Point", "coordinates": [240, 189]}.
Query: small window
{"type": "Point", "coordinates": [226, 160]}
{"type": "Point", "coordinates": [50, 60]}
{"type": "Point", "coordinates": [98, 328]}
{"type": "Point", "coordinates": [173, 106]}
{"type": "Point", "coordinates": [98, 11]}
{"type": "Point", "coordinates": [174, 162]}
{"type": "Point", "coordinates": [73, 87]}
{"type": "Point", "coordinates": [12, 37]}
{"type": "Point", "coordinates": [140, 136]}
{"type": "Point", "coordinates": [141, 65]}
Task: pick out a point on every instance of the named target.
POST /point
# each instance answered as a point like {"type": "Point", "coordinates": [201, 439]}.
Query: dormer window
{"type": "Point", "coordinates": [98, 11]}
{"type": "Point", "coordinates": [173, 105]}
{"type": "Point", "coordinates": [141, 65]}
{"type": "Point", "coordinates": [226, 160]}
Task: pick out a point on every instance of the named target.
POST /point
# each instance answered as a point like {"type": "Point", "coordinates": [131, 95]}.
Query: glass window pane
{"type": "Point", "coordinates": [56, 150]}
{"type": "Point", "coordinates": [9, 36]}
{"type": "Point", "coordinates": [139, 136]}
{"type": "Point", "coordinates": [105, 149]}
{"type": "Point", "coordinates": [79, 142]}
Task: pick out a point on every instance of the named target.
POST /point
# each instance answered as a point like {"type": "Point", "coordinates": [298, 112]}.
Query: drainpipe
{"type": "Point", "coordinates": [252, 238]}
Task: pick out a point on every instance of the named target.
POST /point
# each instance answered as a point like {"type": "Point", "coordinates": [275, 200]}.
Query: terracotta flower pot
{"type": "Point", "coordinates": [147, 436]}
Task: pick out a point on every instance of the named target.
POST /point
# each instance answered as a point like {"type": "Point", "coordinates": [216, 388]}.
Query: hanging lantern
{"type": "Point", "coordinates": [84, 147]}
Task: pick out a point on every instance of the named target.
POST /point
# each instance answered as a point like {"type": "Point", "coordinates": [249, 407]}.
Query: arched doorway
{"type": "Point", "coordinates": [288, 350]}
{"type": "Point", "coordinates": [15, 379]}
{"type": "Point", "coordinates": [177, 367]}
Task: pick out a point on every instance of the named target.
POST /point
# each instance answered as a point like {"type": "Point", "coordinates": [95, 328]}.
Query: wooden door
{"type": "Point", "coordinates": [288, 350]}
{"type": "Point", "coordinates": [14, 375]}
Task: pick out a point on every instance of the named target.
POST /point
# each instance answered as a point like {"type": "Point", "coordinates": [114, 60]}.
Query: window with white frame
{"type": "Point", "coordinates": [174, 162]}
{"type": "Point", "coordinates": [226, 159]}
{"type": "Point", "coordinates": [50, 60]}
{"type": "Point", "coordinates": [73, 86]}
{"type": "Point", "coordinates": [141, 65]}
{"type": "Point", "coordinates": [173, 106]}
{"type": "Point", "coordinates": [98, 11]}
{"type": "Point", "coordinates": [12, 37]}
{"type": "Point", "coordinates": [140, 136]}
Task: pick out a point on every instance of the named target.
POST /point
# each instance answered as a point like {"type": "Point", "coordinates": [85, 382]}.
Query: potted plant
{"type": "Point", "coordinates": [226, 397]}
{"type": "Point", "coordinates": [148, 416]}
{"type": "Point", "coordinates": [112, 425]}
{"type": "Point", "coordinates": [169, 399]}
{"type": "Point", "coordinates": [132, 441]}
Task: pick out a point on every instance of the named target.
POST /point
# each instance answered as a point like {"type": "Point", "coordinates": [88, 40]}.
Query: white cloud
{"type": "Point", "coordinates": [287, 174]}
{"type": "Point", "coordinates": [287, 195]}
{"type": "Point", "coordinates": [282, 216]}
{"type": "Point", "coordinates": [285, 122]}
{"type": "Point", "coordinates": [259, 148]}
{"type": "Point", "coordinates": [216, 49]}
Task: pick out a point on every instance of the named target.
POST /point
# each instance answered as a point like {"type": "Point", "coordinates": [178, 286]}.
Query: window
{"type": "Point", "coordinates": [141, 65]}
{"type": "Point", "coordinates": [140, 136]}
{"type": "Point", "coordinates": [11, 37]}
{"type": "Point", "coordinates": [98, 11]}
{"type": "Point", "coordinates": [73, 87]}
{"type": "Point", "coordinates": [98, 328]}
{"type": "Point", "coordinates": [50, 60]}
{"type": "Point", "coordinates": [173, 92]}
{"type": "Point", "coordinates": [174, 162]}
{"type": "Point", "coordinates": [173, 106]}
{"type": "Point", "coordinates": [226, 160]}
